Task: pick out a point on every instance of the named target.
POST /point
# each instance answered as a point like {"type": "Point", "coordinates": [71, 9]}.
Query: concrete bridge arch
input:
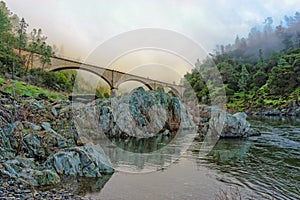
{"type": "Point", "coordinates": [112, 77]}
{"type": "Point", "coordinates": [59, 68]}
{"type": "Point", "coordinates": [115, 78]}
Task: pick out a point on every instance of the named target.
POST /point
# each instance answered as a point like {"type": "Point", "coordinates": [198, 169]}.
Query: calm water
{"type": "Point", "coordinates": [262, 167]}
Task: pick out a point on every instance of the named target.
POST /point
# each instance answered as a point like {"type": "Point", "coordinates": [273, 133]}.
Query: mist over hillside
{"type": "Point", "coordinates": [265, 40]}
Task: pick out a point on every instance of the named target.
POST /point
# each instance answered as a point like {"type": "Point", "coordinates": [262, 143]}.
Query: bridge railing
{"type": "Point", "coordinates": [80, 62]}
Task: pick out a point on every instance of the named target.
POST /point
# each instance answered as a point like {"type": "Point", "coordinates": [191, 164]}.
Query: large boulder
{"type": "Point", "coordinates": [4, 140]}
{"type": "Point", "coordinates": [40, 145]}
{"type": "Point", "coordinates": [223, 123]}
{"type": "Point", "coordinates": [26, 170]}
{"type": "Point", "coordinates": [237, 126]}
{"type": "Point", "coordinates": [11, 135]}
{"type": "Point", "coordinates": [33, 146]}
{"type": "Point", "coordinates": [88, 161]}
{"type": "Point", "coordinates": [44, 177]}
{"type": "Point", "coordinates": [139, 114]}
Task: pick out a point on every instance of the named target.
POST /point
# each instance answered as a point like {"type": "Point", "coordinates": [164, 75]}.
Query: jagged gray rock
{"type": "Point", "coordinates": [138, 114]}
{"type": "Point", "coordinates": [32, 126]}
{"type": "Point", "coordinates": [223, 123]}
{"type": "Point", "coordinates": [26, 170]}
{"type": "Point", "coordinates": [88, 161]}
{"type": "Point", "coordinates": [237, 126]}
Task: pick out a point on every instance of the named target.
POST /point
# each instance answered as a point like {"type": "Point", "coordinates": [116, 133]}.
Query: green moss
{"type": "Point", "coordinates": [274, 103]}
{"type": "Point", "coordinates": [23, 89]}
{"type": "Point", "coordinates": [296, 94]}
{"type": "Point", "coordinates": [2, 81]}
{"type": "Point", "coordinates": [262, 99]}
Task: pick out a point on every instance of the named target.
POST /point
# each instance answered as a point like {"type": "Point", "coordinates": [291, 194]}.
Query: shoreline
{"type": "Point", "coordinates": [284, 112]}
{"type": "Point", "coordinates": [15, 189]}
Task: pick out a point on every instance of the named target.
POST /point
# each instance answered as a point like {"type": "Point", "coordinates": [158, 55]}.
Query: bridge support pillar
{"type": "Point", "coordinates": [113, 92]}
{"type": "Point", "coordinates": [181, 92]}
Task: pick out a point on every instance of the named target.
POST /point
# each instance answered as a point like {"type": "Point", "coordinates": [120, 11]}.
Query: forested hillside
{"type": "Point", "coordinates": [262, 70]}
{"type": "Point", "coordinates": [14, 38]}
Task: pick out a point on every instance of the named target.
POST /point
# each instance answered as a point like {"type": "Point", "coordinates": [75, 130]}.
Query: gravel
{"type": "Point", "coordinates": [14, 190]}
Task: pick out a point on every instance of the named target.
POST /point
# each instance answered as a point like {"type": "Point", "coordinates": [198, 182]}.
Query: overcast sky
{"type": "Point", "coordinates": [82, 25]}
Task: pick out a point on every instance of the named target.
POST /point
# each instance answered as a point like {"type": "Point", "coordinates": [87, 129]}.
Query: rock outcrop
{"type": "Point", "coordinates": [43, 156]}
{"type": "Point", "coordinates": [44, 144]}
{"type": "Point", "coordinates": [51, 139]}
{"type": "Point", "coordinates": [48, 140]}
{"type": "Point", "coordinates": [88, 161]}
{"type": "Point", "coordinates": [138, 114]}
{"type": "Point", "coordinates": [223, 123]}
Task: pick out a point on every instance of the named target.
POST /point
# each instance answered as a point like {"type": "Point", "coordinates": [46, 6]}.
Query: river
{"type": "Point", "coordinates": [260, 167]}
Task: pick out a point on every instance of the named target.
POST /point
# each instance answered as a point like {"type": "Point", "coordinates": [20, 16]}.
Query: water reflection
{"type": "Point", "coordinates": [229, 151]}
{"type": "Point", "coordinates": [80, 185]}
{"type": "Point", "coordinates": [263, 167]}
{"type": "Point", "coordinates": [267, 166]}
{"type": "Point", "coordinates": [137, 155]}
{"type": "Point", "coordinates": [143, 145]}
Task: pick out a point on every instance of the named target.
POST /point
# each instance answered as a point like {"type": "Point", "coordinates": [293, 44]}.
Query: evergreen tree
{"type": "Point", "coordinates": [22, 37]}
{"type": "Point", "coordinates": [243, 81]}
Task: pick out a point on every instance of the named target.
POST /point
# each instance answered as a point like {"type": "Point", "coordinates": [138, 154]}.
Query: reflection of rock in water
{"type": "Point", "coordinates": [138, 130]}
{"type": "Point", "coordinates": [164, 151]}
{"type": "Point", "coordinates": [229, 151]}
{"type": "Point", "coordinates": [226, 151]}
{"type": "Point", "coordinates": [143, 145]}
{"type": "Point", "coordinates": [80, 185]}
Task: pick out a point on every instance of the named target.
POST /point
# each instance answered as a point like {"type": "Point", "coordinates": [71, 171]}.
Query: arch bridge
{"type": "Point", "coordinates": [112, 77]}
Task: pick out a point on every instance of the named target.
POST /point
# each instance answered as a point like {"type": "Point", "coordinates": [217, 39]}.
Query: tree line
{"type": "Point", "coordinates": [14, 38]}
{"type": "Point", "coordinates": [258, 71]}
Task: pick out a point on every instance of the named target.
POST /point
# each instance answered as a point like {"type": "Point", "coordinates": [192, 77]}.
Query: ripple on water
{"type": "Point", "coordinates": [263, 167]}
{"type": "Point", "coordinates": [267, 165]}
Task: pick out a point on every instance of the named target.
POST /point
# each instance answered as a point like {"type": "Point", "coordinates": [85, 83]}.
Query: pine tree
{"type": "Point", "coordinates": [243, 81]}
